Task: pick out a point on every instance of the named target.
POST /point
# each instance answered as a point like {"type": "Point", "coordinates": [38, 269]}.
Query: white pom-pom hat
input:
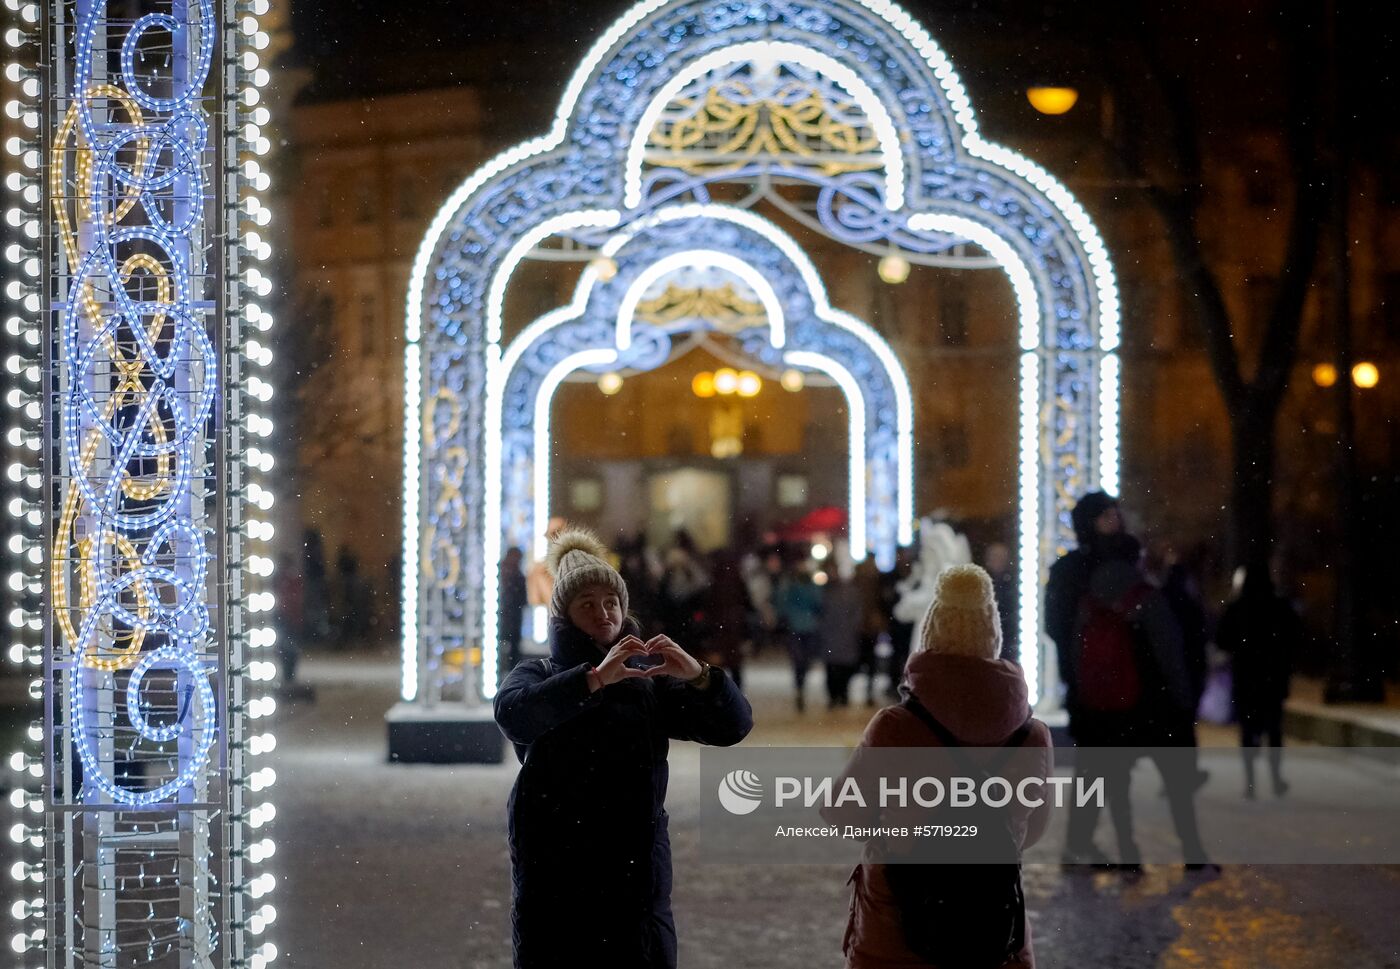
{"type": "Point", "coordinates": [963, 618]}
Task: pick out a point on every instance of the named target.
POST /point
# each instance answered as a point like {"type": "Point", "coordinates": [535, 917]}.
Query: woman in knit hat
{"type": "Point", "coordinates": [974, 698]}
{"type": "Point", "coordinates": [590, 854]}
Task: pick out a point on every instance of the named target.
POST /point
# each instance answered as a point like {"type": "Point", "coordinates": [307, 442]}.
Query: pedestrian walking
{"type": "Point", "coordinates": [957, 693]}
{"type": "Point", "coordinates": [841, 621]}
{"type": "Point", "coordinates": [510, 621]}
{"type": "Point", "coordinates": [291, 606]}
{"type": "Point", "coordinates": [1262, 633]}
{"type": "Point", "coordinates": [1133, 697]}
{"type": "Point", "coordinates": [588, 830]}
{"type": "Point", "coordinates": [997, 561]}
{"type": "Point", "coordinates": [726, 611]}
{"type": "Point", "coordinates": [682, 588]}
{"type": "Point", "coordinates": [868, 583]}
{"type": "Point", "coordinates": [892, 589]}
{"type": "Point", "coordinates": [799, 607]}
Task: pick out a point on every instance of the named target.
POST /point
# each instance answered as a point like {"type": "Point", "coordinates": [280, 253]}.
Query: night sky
{"type": "Point", "coordinates": [1229, 49]}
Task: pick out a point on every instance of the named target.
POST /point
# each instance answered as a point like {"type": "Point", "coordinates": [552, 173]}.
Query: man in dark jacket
{"type": "Point", "coordinates": [589, 846]}
{"type": "Point", "coordinates": [1095, 517]}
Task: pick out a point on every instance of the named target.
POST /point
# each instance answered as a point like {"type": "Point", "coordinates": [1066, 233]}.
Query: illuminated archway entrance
{"type": "Point", "coordinates": [681, 101]}
{"type": "Point", "coordinates": [599, 329]}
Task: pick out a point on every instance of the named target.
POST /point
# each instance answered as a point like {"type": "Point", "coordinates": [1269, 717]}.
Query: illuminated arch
{"type": "Point", "coordinates": [586, 333]}
{"type": "Point", "coordinates": [940, 184]}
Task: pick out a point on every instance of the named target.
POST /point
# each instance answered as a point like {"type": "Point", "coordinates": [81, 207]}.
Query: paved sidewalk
{"type": "Point", "coordinates": [385, 865]}
{"type": "Point", "coordinates": [1308, 718]}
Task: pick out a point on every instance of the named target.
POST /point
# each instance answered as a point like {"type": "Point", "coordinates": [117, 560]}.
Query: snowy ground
{"type": "Point", "coordinates": [385, 866]}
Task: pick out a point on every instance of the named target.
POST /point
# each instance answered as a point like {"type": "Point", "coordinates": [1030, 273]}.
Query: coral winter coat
{"type": "Point", "coordinates": [982, 703]}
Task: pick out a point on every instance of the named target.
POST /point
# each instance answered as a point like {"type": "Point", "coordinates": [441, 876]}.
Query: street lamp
{"type": "Point", "coordinates": [1052, 100]}
{"type": "Point", "coordinates": [1365, 375]}
{"type": "Point", "coordinates": [894, 268]}
{"type": "Point", "coordinates": [1324, 375]}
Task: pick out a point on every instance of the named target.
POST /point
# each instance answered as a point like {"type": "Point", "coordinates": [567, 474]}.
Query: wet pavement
{"type": "Point", "coordinates": [384, 866]}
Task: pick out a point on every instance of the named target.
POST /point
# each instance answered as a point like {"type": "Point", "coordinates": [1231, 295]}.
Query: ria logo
{"type": "Point", "coordinates": [741, 792]}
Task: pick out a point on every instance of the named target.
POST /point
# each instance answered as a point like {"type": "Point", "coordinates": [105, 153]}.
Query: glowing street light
{"type": "Point", "coordinates": [894, 268]}
{"type": "Point", "coordinates": [1324, 375]}
{"type": "Point", "coordinates": [1052, 100]}
{"type": "Point", "coordinates": [1365, 375]}
{"type": "Point", "coordinates": [703, 384]}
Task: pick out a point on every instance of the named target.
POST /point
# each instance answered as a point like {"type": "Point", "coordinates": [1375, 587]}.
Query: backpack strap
{"type": "Point", "coordinates": [952, 743]}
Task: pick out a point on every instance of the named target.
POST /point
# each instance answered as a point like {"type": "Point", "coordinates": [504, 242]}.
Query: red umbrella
{"type": "Point", "coordinates": [818, 520]}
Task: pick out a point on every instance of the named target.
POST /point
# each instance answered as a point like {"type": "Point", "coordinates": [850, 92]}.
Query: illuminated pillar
{"type": "Point", "coordinates": [139, 545]}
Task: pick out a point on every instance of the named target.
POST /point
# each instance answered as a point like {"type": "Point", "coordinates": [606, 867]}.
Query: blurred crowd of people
{"type": "Point", "coordinates": [806, 599]}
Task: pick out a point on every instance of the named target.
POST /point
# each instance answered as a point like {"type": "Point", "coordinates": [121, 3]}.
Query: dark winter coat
{"type": "Point", "coordinates": [590, 852]}
{"type": "Point", "coordinates": [982, 702]}
{"type": "Point", "coordinates": [1164, 714]}
{"type": "Point", "coordinates": [1068, 581]}
{"type": "Point", "coordinates": [1263, 634]}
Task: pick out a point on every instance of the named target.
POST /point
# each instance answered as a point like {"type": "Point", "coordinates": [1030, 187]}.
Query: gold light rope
{"type": "Point", "coordinates": [124, 648]}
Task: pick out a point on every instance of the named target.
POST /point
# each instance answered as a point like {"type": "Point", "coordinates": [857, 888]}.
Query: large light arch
{"type": "Point", "coordinates": [953, 186]}
{"type": "Point", "coordinates": [583, 334]}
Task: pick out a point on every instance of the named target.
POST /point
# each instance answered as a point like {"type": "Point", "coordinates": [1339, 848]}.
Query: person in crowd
{"type": "Point", "coordinates": [318, 596]}
{"type": "Point", "coordinates": [997, 561]}
{"type": "Point", "coordinates": [1132, 697]}
{"type": "Point", "coordinates": [1127, 688]}
{"type": "Point", "coordinates": [641, 570]}
{"type": "Point", "coordinates": [956, 692]}
{"type": "Point", "coordinates": [291, 606]}
{"type": "Point", "coordinates": [510, 621]}
{"type": "Point", "coordinates": [1181, 584]}
{"type": "Point", "coordinates": [872, 623]}
{"type": "Point", "coordinates": [1096, 518]}
{"type": "Point", "coordinates": [726, 610]}
{"type": "Point", "coordinates": [539, 585]}
{"type": "Point", "coordinates": [842, 616]}
{"type": "Point", "coordinates": [901, 632]}
{"type": "Point", "coordinates": [762, 568]}
{"type": "Point", "coordinates": [1262, 633]}
{"type": "Point", "coordinates": [799, 606]}
{"type": "Point", "coordinates": [355, 599]}
{"type": "Point", "coordinates": [588, 830]}
{"type": "Point", "coordinates": [682, 588]}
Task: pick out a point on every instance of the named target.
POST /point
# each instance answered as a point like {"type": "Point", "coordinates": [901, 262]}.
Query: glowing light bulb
{"type": "Point", "coordinates": [894, 268]}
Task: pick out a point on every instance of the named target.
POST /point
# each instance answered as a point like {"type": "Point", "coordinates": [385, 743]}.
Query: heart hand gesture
{"type": "Point", "coordinates": [612, 668]}
{"type": "Point", "coordinates": [674, 660]}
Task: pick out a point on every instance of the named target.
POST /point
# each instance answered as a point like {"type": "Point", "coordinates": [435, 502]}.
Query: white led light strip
{"type": "Point", "coordinates": [1087, 236]}
{"type": "Point", "coordinates": [254, 912]}
{"type": "Point", "coordinates": [24, 272]}
{"type": "Point", "coordinates": [855, 406]}
{"type": "Point", "coordinates": [1028, 521]}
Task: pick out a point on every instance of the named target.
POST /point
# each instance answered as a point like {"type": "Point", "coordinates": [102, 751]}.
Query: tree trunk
{"type": "Point", "coordinates": [1252, 486]}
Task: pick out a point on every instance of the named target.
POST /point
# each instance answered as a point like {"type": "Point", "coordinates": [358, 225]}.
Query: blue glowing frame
{"type": "Point", "coordinates": [941, 182]}
{"type": "Point", "coordinates": [592, 333]}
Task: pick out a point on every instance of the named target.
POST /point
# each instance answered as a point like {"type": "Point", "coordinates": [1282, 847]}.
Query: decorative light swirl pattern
{"type": "Point", "coordinates": [597, 168]}
{"type": "Point", "coordinates": [135, 411]}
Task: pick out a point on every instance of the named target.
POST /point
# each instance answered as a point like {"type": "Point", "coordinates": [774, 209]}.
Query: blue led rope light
{"type": "Point", "coordinates": [179, 387]}
{"type": "Point", "coordinates": [586, 162]}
